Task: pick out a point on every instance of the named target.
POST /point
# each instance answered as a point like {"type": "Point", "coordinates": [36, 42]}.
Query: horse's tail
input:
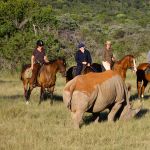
{"type": "Point", "coordinates": [22, 70]}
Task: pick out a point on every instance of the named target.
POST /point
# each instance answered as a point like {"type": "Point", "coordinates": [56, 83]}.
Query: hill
{"type": "Point", "coordinates": [62, 24]}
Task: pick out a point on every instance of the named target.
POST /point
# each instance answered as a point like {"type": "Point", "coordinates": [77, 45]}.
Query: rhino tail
{"type": "Point", "coordinates": [68, 92]}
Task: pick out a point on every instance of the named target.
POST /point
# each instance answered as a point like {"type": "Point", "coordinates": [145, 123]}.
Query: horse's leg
{"type": "Point", "coordinates": [139, 86]}
{"type": "Point", "coordinates": [27, 90]}
{"type": "Point", "coordinates": [140, 77]}
{"type": "Point", "coordinates": [25, 85]}
{"type": "Point", "coordinates": [41, 95]}
{"type": "Point", "coordinates": [145, 82]}
{"type": "Point", "coordinates": [51, 91]}
{"type": "Point", "coordinates": [28, 93]}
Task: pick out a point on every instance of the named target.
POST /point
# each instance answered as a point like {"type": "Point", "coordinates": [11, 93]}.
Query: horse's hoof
{"type": "Point", "coordinates": [51, 102]}
{"type": "Point", "coordinates": [27, 102]}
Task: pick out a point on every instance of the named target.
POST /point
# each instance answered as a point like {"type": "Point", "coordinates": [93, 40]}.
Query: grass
{"type": "Point", "coordinates": [45, 127]}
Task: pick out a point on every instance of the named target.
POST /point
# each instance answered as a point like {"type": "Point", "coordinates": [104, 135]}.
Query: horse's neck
{"type": "Point", "coordinates": [51, 68]}
{"type": "Point", "coordinates": [121, 67]}
{"type": "Point", "coordinates": [123, 64]}
{"type": "Point", "coordinates": [54, 67]}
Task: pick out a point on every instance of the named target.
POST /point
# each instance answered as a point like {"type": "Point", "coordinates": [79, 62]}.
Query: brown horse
{"type": "Point", "coordinates": [143, 77]}
{"type": "Point", "coordinates": [46, 77]}
{"type": "Point", "coordinates": [120, 66]}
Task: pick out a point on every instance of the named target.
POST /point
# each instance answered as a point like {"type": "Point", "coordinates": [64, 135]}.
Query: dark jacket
{"type": "Point", "coordinates": [81, 57]}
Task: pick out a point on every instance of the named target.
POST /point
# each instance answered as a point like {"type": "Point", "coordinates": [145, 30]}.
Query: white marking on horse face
{"type": "Point", "coordinates": [135, 69]}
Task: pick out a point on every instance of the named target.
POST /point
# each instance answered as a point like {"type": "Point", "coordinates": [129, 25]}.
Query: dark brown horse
{"type": "Point", "coordinates": [120, 66]}
{"type": "Point", "coordinates": [46, 77]}
{"type": "Point", "coordinates": [143, 77]}
{"type": "Point", "coordinates": [71, 72]}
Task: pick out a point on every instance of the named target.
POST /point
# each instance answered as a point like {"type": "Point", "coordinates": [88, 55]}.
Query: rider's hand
{"type": "Point", "coordinates": [88, 64]}
{"type": "Point", "coordinates": [31, 67]}
{"type": "Point", "coordinates": [84, 62]}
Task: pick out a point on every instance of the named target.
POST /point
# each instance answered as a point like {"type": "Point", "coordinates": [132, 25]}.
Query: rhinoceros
{"type": "Point", "coordinates": [94, 92]}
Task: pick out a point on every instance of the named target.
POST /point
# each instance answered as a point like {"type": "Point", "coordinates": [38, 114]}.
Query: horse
{"type": "Point", "coordinates": [143, 77]}
{"type": "Point", "coordinates": [120, 66]}
{"type": "Point", "coordinates": [46, 78]}
{"type": "Point", "coordinates": [71, 72]}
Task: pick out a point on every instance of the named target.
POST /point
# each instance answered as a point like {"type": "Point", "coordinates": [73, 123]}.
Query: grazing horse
{"type": "Point", "coordinates": [143, 77]}
{"type": "Point", "coordinates": [120, 66]}
{"type": "Point", "coordinates": [46, 77]}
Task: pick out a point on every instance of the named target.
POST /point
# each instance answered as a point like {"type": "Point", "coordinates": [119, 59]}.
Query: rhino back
{"type": "Point", "coordinates": [109, 92]}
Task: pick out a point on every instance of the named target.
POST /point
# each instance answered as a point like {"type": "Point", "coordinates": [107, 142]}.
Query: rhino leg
{"type": "Point", "coordinates": [129, 113]}
{"type": "Point", "coordinates": [114, 110]}
{"type": "Point", "coordinates": [95, 117]}
{"type": "Point", "coordinates": [77, 118]}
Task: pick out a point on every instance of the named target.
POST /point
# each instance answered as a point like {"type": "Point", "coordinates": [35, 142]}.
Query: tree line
{"type": "Point", "coordinates": [62, 24]}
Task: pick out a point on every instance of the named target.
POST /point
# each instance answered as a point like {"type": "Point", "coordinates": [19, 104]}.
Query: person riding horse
{"type": "Point", "coordinates": [107, 56]}
{"type": "Point", "coordinates": [38, 57]}
{"type": "Point", "coordinates": [82, 57]}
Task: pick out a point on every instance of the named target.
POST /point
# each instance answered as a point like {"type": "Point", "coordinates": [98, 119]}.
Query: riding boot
{"type": "Point", "coordinates": [34, 75]}
{"type": "Point", "coordinates": [78, 70]}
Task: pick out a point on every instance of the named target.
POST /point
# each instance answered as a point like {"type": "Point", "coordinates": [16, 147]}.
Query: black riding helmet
{"type": "Point", "coordinates": [40, 43]}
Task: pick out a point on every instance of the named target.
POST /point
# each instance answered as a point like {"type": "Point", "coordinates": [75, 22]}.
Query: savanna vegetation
{"type": "Point", "coordinates": [38, 127]}
{"type": "Point", "coordinates": [64, 23]}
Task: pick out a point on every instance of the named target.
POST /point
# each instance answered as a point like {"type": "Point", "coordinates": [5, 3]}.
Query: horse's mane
{"type": "Point", "coordinates": [54, 60]}
{"type": "Point", "coordinates": [119, 61]}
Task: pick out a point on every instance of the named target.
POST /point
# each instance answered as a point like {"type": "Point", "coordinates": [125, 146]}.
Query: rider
{"type": "Point", "coordinates": [38, 57]}
{"type": "Point", "coordinates": [82, 57]}
{"type": "Point", "coordinates": [107, 56]}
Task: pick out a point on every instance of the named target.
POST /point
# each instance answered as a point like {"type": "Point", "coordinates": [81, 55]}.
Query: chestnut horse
{"type": "Point", "coordinates": [121, 66]}
{"type": "Point", "coordinates": [46, 78]}
{"type": "Point", "coordinates": [143, 77]}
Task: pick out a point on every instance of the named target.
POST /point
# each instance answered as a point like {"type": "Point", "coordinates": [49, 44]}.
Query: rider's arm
{"type": "Point", "coordinates": [89, 58]}
{"type": "Point", "coordinates": [46, 59]}
{"type": "Point", "coordinates": [32, 61]}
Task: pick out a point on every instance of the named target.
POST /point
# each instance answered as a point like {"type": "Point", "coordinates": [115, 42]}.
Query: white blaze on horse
{"type": "Point", "coordinates": [94, 92]}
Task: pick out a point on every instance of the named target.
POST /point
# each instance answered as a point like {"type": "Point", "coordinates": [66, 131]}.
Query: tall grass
{"type": "Point", "coordinates": [46, 127]}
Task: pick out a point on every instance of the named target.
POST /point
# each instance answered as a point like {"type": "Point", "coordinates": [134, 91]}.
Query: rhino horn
{"type": "Point", "coordinates": [130, 111]}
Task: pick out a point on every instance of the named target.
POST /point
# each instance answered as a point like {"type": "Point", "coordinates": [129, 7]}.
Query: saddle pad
{"type": "Point", "coordinates": [28, 73]}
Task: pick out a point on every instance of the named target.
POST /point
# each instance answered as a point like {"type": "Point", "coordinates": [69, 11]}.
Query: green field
{"type": "Point", "coordinates": [46, 127]}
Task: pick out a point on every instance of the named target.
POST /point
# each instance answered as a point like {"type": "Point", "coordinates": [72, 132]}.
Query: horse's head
{"type": "Point", "coordinates": [61, 65]}
{"type": "Point", "coordinates": [132, 63]}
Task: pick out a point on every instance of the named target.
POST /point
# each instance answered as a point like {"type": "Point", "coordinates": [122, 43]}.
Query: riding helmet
{"type": "Point", "coordinates": [81, 45]}
{"type": "Point", "coordinates": [40, 43]}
